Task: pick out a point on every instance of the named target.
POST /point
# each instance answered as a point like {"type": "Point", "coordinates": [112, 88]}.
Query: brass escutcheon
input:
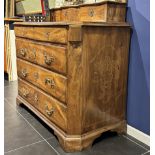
{"type": "Point", "coordinates": [91, 12]}
{"type": "Point", "coordinates": [47, 35]}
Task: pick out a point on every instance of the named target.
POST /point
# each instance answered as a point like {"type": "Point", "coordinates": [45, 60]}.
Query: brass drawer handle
{"type": "Point", "coordinates": [24, 73]}
{"type": "Point", "coordinates": [50, 82]}
{"type": "Point", "coordinates": [49, 60]}
{"type": "Point", "coordinates": [49, 112]}
{"type": "Point", "coordinates": [24, 92]}
{"type": "Point", "coordinates": [23, 52]}
{"type": "Point", "coordinates": [91, 12]}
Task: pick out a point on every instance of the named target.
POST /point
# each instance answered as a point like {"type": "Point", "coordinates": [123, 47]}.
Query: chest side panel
{"type": "Point", "coordinates": [106, 53]}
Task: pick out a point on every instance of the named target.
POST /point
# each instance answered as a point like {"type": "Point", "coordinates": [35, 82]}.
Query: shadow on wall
{"type": "Point", "coordinates": [138, 100]}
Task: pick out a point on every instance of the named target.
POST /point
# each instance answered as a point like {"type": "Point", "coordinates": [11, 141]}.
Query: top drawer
{"type": "Point", "coordinates": [47, 55]}
{"type": "Point", "coordinates": [49, 34]}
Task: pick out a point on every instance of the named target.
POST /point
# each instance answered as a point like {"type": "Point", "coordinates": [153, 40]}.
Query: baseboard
{"type": "Point", "coordinates": [138, 135]}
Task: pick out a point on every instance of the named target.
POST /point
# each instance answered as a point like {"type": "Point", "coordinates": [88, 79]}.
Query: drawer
{"type": "Point", "coordinates": [105, 12]}
{"type": "Point", "coordinates": [52, 83]}
{"type": "Point", "coordinates": [49, 34]}
{"type": "Point", "coordinates": [69, 14]}
{"type": "Point", "coordinates": [92, 13]}
{"type": "Point", "coordinates": [50, 107]}
{"type": "Point", "coordinates": [46, 55]}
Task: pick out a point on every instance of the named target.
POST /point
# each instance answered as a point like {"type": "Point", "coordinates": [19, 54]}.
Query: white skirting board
{"type": "Point", "coordinates": [138, 135]}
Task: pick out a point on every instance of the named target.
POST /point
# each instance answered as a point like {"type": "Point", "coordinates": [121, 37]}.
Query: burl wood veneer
{"type": "Point", "coordinates": [74, 77]}
{"type": "Point", "coordinates": [106, 11]}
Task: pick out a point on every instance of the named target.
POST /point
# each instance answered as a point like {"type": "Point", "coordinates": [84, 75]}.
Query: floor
{"type": "Point", "coordinates": [25, 134]}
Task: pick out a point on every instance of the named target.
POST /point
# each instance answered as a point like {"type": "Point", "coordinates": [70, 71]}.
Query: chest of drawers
{"type": "Point", "coordinates": [74, 76]}
{"type": "Point", "coordinates": [105, 11]}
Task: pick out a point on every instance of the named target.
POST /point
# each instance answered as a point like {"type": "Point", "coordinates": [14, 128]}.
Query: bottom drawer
{"type": "Point", "coordinates": [50, 107]}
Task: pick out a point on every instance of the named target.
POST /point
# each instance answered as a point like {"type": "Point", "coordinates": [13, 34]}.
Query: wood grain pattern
{"type": "Point", "coordinates": [75, 87]}
{"type": "Point", "coordinates": [103, 11]}
{"type": "Point", "coordinates": [44, 103]}
{"type": "Point", "coordinates": [106, 76]}
{"type": "Point", "coordinates": [56, 15]}
{"type": "Point", "coordinates": [70, 143]}
{"type": "Point", "coordinates": [94, 89]}
{"type": "Point", "coordinates": [52, 83]}
{"type": "Point", "coordinates": [15, 19]}
{"type": "Point", "coordinates": [49, 56]}
{"type": "Point", "coordinates": [67, 24]}
{"type": "Point", "coordinates": [73, 143]}
{"type": "Point", "coordinates": [93, 13]}
{"type": "Point", "coordinates": [70, 14]}
{"type": "Point", "coordinates": [56, 35]}
{"type": "Point", "coordinates": [116, 13]}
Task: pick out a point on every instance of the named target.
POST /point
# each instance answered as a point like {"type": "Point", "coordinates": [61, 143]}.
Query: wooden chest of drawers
{"type": "Point", "coordinates": [74, 76]}
{"type": "Point", "coordinates": [105, 11]}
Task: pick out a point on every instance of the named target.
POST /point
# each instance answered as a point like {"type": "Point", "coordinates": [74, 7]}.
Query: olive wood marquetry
{"type": "Point", "coordinates": [83, 94]}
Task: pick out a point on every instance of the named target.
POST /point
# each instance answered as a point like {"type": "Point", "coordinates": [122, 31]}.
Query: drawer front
{"type": "Point", "coordinates": [51, 108]}
{"type": "Point", "coordinates": [49, 34]}
{"type": "Point", "coordinates": [48, 56]}
{"type": "Point", "coordinates": [69, 14]}
{"type": "Point", "coordinates": [56, 15]}
{"type": "Point", "coordinates": [52, 83]}
{"type": "Point", "coordinates": [93, 13]}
